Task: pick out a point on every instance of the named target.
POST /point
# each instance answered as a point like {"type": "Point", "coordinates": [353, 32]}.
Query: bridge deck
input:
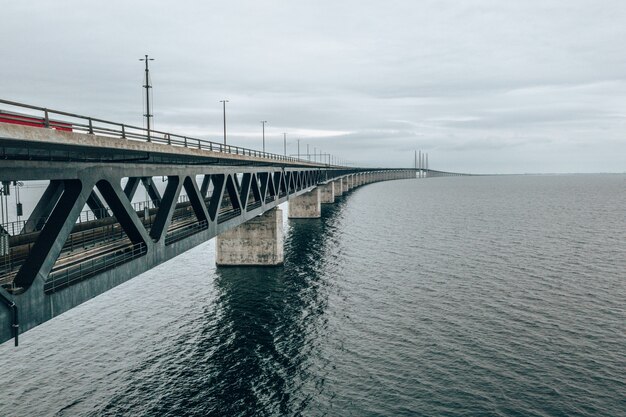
{"type": "Point", "coordinates": [36, 143]}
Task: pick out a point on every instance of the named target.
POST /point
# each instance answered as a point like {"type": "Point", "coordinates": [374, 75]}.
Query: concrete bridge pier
{"type": "Point", "coordinates": [327, 193]}
{"type": "Point", "coordinates": [306, 206]}
{"type": "Point", "coordinates": [257, 242]}
{"type": "Point", "coordinates": [345, 185]}
{"type": "Point", "coordinates": [338, 187]}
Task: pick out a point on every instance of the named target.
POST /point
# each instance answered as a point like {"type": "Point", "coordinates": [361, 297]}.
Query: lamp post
{"type": "Point", "coordinates": [224, 112]}
{"type": "Point", "coordinates": [285, 143]}
{"type": "Point", "coordinates": [298, 148]}
{"type": "Point", "coordinates": [147, 86]}
{"type": "Point", "coordinates": [263, 123]}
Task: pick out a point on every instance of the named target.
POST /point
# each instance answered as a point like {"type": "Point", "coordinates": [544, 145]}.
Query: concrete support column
{"type": "Point", "coordinates": [338, 187]}
{"type": "Point", "coordinates": [306, 206]}
{"type": "Point", "coordinates": [257, 242]}
{"type": "Point", "coordinates": [345, 185]}
{"type": "Point", "coordinates": [327, 193]}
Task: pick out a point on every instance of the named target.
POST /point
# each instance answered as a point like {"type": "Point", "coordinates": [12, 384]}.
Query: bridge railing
{"type": "Point", "coordinates": [16, 227]}
{"type": "Point", "coordinates": [90, 267]}
{"type": "Point", "coordinates": [71, 122]}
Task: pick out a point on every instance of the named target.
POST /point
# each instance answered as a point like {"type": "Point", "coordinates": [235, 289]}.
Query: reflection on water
{"type": "Point", "coordinates": [252, 351]}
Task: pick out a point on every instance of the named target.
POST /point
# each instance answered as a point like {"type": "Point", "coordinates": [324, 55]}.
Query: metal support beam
{"type": "Point", "coordinates": [123, 211]}
{"type": "Point", "coordinates": [44, 207]}
{"type": "Point", "coordinates": [52, 237]}
{"type": "Point", "coordinates": [131, 187]}
{"type": "Point", "coordinates": [166, 209]}
{"type": "Point", "coordinates": [97, 207]}
{"type": "Point", "coordinates": [153, 192]}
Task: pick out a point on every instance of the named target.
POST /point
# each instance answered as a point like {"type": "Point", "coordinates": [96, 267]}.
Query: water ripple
{"type": "Point", "coordinates": [454, 296]}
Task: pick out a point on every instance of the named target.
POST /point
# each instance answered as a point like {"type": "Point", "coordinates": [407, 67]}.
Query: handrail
{"type": "Point", "coordinates": [125, 131]}
{"type": "Point", "coordinates": [92, 266]}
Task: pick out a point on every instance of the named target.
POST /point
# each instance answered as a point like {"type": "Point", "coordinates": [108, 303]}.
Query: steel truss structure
{"type": "Point", "coordinates": [58, 262]}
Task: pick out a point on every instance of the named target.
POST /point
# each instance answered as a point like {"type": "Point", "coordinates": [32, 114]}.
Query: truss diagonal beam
{"type": "Point", "coordinates": [44, 207]}
{"type": "Point", "coordinates": [52, 237]}
{"type": "Point", "coordinates": [216, 198]}
{"type": "Point", "coordinates": [166, 208]}
{"type": "Point", "coordinates": [196, 200]}
{"type": "Point", "coordinates": [123, 211]}
{"type": "Point", "coordinates": [131, 187]}
{"type": "Point", "coordinates": [153, 192]}
{"type": "Point", "coordinates": [204, 189]}
{"type": "Point", "coordinates": [97, 207]}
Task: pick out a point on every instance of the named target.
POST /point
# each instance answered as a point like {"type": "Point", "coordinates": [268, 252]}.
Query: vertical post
{"type": "Point", "coordinates": [285, 143]}
{"type": "Point", "coordinates": [224, 112]}
{"type": "Point", "coordinates": [263, 123]}
{"type": "Point", "coordinates": [298, 148]}
{"type": "Point", "coordinates": [308, 155]}
{"type": "Point", "coordinates": [147, 86]}
{"type": "Point", "coordinates": [419, 165]}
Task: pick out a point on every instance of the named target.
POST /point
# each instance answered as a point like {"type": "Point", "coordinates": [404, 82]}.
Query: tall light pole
{"type": "Point", "coordinates": [147, 86]}
{"type": "Point", "coordinates": [298, 148]}
{"type": "Point", "coordinates": [308, 155]}
{"type": "Point", "coordinates": [263, 123]}
{"type": "Point", "coordinates": [224, 111]}
{"type": "Point", "coordinates": [285, 143]}
{"type": "Point", "coordinates": [419, 165]}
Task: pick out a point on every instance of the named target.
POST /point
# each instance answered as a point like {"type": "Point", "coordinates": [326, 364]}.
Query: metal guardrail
{"type": "Point", "coordinates": [14, 228]}
{"type": "Point", "coordinates": [93, 266]}
{"type": "Point", "coordinates": [185, 231]}
{"type": "Point", "coordinates": [102, 127]}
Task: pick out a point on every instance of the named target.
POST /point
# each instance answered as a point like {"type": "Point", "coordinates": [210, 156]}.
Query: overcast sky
{"type": "Point", "coordinates": [484, 86]}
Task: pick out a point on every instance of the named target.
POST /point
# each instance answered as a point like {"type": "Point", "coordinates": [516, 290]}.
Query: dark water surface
{"type": "Point", "coordinates": [447, 296]}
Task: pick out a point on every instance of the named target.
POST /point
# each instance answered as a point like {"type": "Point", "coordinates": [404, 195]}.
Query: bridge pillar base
{"type": "Point", "coordinates": [327, 193]}
{"type": "Point", "coordinates": [306, 206]}
{"type": "Point", "coordinates": [257, 242]}
{"type": "Point", "coordinates": [338, 187]}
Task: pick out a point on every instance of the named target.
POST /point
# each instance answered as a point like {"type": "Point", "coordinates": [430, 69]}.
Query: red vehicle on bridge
{"type": "Point", "coordinates": [28, 120]}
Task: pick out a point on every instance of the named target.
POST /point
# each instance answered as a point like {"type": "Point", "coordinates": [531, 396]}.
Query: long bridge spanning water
{"type": "Point", "coordinates": [84, 235]}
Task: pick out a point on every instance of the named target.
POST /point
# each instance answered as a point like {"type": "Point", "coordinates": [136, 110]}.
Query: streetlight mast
{"type": "Point", "coordinates": [285, 143]}
{"type": "Point", "coordinates": [224, 106]}
{"type": "Point", "coordinates": [147, 86]}
{"type": "Point", "coordinates": [263, 123]}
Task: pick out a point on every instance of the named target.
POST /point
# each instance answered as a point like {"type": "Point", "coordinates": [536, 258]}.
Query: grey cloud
{"type": "Point", "coordinates": [481, 85]}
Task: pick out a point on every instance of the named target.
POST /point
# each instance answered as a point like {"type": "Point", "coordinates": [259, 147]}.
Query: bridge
{"type": "Point", "coordinates": [87, 233]}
